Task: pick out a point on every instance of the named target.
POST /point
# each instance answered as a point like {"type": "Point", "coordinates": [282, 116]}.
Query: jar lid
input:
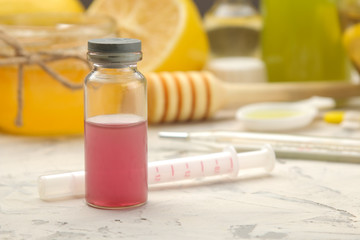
{"type": "Point", "coordinates": [65, 33]}
{"type": "Point", "coordinates": [114, 45]}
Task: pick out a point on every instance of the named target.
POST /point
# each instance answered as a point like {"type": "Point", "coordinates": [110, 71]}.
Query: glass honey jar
{"type": "Point", "coordinates": [42, 67]}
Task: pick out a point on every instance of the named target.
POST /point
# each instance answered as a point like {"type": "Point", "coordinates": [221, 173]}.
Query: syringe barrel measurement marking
{"type": "Point", "coordinates": [172, 171]}
{"type": "Point", "coordinates": [217, 167]}
{"type": "Point", "coordinates": [157, 176]}
{"type": "Point", "coordinates": [190, 167]}
{"type": "Point", "coordinates": [232, 163]}
{"type": "Point", "coordinates": [187, 172]}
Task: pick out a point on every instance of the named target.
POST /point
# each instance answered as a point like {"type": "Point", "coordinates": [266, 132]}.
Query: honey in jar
{"type": "Point", "coordinates": [42, 68]}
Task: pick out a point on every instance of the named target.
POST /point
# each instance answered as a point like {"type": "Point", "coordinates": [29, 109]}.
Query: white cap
{"type": "Point", "coordinates": [238, 69]}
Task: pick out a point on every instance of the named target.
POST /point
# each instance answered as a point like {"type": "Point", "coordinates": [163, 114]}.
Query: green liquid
{"type": "Point", "coordinates": [301, 41]}
{"type": "Point", "coordinates": [233, 41]}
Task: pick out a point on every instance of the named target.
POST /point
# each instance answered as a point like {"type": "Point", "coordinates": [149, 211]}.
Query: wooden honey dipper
{"type": "Point", "coordinates": [184, 96]}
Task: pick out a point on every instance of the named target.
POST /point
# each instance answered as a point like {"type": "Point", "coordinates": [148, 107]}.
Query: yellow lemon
{"type": "Point", "coordinates": [351, 42]}
{"type": "Point", "coordinates": [38, 6]}
{"type": "Point", "coordinates": [171, 31]}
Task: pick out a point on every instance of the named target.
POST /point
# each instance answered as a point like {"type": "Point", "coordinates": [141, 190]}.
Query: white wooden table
{"type": "Point", "coordinates": [299, 200]}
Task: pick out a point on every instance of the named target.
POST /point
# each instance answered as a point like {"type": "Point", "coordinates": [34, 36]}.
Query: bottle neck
{"type": "Point", "coordinates": [123, 66]}
{"type": "Point", "coordinates": [115, 60]}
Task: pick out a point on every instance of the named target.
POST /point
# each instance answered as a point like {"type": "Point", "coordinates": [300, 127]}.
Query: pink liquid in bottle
{"type": "Point", "coordinates": [116, 161]}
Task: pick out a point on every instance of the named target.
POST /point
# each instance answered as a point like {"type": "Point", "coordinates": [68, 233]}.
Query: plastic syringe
{"type": "Point", "coordinates": [228, 162]}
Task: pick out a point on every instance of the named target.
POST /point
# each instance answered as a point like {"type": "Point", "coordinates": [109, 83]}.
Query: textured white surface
{"type": "Point", "coordinates": [299, 200]}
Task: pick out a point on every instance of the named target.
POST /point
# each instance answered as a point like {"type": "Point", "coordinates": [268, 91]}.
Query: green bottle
{"type": "Point", "coordinates": [301, 41]}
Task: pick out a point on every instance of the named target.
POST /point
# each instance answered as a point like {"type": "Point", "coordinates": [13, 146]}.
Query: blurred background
{"type": "Point", "coordinates": [203, 5]}
{"type": "Point", "coordinates": [248, 46]}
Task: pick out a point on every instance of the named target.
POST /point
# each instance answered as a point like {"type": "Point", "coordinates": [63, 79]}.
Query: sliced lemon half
{"type": "Point", "coordinates": [171, 31]}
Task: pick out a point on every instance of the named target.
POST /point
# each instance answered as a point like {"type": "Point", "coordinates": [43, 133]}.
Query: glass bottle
{"type": "Point", "coordinates": [37, 103]}
{"type": "Point", "coordinates": [301, 41]}
{"type": "Point", "coordinates": [233, 28]}
{"type": "Point", "coordinates": [115, 125]}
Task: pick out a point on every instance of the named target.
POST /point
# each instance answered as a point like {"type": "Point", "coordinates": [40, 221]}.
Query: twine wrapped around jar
{"type": "Point", "coordinates": [22, 58]}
